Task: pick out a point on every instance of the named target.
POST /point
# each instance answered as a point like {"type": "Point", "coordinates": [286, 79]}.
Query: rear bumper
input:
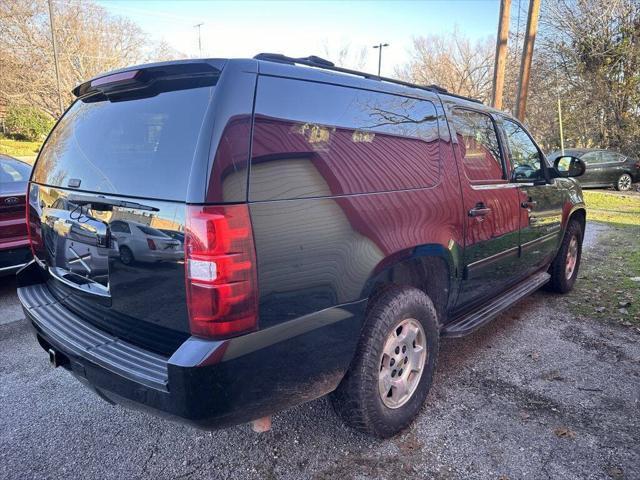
{"type": "Point", "coordinates": [209, 384]}
{"type": "Point", "coordinates": [13, 259]}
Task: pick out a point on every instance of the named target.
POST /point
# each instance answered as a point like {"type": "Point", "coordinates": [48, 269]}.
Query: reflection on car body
{"type": "Point", "coordinates": [139, 242]}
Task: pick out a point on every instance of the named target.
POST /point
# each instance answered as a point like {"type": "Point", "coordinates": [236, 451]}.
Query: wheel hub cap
{"type": "Point", "coordinates": [572, 257]}
{"type": "Point", "coordinates": [402, 362]}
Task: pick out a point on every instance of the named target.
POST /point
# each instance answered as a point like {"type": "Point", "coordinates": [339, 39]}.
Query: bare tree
{"type": "Point", "coordinates": [452, 61]}
{"type": "Point", "coordinates": [89, 41]}
{"type": "Point", "coordinates": [345, 56]}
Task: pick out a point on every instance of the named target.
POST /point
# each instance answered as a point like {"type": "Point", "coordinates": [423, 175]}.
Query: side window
{"type": "Point", "coordinates": [318, 140]}
{"type": "Point", "coordinates": [592, 157]}
{"type": "Point", "coordinates": [478, 144]}
{"type": "Point", "coordinates": [611, 157]}
{"type": "Point", "coordinates": [120, 227]}
{"type": "Point", "coordinates": [523, 154]}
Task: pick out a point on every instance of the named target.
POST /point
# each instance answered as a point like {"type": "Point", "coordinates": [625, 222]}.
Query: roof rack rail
{"type": "Point", "coordinates": [314, 61]}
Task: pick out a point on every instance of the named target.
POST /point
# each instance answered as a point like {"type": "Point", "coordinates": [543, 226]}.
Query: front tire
{"type": "Point", "coordinates": [564, 268]}
{"type": "Point", "coordinates": [392, 371]}
{"type": "Point", "coordinates": [624, 183]}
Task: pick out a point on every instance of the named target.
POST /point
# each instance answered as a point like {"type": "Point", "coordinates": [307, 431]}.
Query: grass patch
{"type": "Point", "coordinates": [19, 148]}
{"type": "Point", "coordinates": [621, 209]}
{"type": "Point", "coordinates": [604, 289]}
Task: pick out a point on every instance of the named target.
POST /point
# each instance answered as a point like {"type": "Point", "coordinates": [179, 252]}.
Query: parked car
{"type": "Point", "coordinates": [336, 226]}
{"type": "Point", "coordinates": [14, 242]}
{"type": "Point", "coordinates": [176, 235]}
{"type": "Point", "coordinates": [138, 242]}
{"type": "Point", "coordinates": [605, 168]}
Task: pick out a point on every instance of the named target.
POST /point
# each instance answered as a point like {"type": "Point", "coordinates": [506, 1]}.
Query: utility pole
{"type": "Point", "coordinates": [501, 54]}
{"type": "Point", "coordinates": [559, 110]}
{"type": "Point", "coordinates": [380, 46]}
{"type": "Point", "coordinates": [198, 26]}
{"type": "Point", "coordinates": [55, 56]}
{"type": "Point", "coordinates": [527, 55]}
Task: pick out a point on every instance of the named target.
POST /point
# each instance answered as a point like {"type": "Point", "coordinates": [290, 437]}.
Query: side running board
{"type": "Point", "coordinates": [468, 323]}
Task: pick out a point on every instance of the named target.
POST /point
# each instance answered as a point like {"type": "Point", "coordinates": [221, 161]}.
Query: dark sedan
{"type": "Point", "coordinates": [14, 244]}
{"type": "Point", "coordinates": [604, 168]}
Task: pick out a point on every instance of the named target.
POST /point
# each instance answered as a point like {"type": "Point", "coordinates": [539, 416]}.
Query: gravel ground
{"type": "Point", "coordinates": [535, 394]}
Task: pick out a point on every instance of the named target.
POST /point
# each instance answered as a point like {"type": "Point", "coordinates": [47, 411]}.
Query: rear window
{"type": "Point", "coordinates": [142, 147]}
{"type": "Point", "coordinates": [151, 231]}
{"type": "Point", "coordinates": [12, 171]}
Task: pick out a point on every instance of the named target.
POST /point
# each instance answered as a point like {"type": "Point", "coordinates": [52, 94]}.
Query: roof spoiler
{"type": "Point", "coordinates": [141, 77]}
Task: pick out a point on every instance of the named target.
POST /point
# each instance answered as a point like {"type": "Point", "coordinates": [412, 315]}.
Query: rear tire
{"type": "Point", "coordinates": [399, 321]}
{"type": "Point", "coordinates": [564, 268]}
{"type": "Point", "coordinates": [126, 255]}
{"type": "Point", "coordinates": [624, 183]}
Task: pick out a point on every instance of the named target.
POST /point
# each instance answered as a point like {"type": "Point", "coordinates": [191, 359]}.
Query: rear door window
{"type": "Point", "coordinates": [478, 145]}
{"type": "Point", "coordinates": [141, 147]}
{"type": "Point", "coordinates": [315, 140]}
{"type": "Point", "coordinates": [611, 157]}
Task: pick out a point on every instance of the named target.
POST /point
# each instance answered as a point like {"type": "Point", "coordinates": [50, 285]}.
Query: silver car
{"type": "Point", "coordinates": [139, 242]}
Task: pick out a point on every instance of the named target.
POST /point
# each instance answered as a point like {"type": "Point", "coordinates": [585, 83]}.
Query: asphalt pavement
{"type": "Point", "coordinates": [536, 394]}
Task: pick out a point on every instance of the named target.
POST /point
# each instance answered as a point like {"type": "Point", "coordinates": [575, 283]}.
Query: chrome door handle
{"type": "Point", "coordinates": [480, 210]}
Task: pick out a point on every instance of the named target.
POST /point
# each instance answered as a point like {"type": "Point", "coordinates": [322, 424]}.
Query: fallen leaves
{"type": "Point", "coordinates": [564, 432]}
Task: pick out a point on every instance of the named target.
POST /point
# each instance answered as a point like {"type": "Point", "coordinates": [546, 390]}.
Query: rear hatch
{"type": "Point", "coordinates": [109, 183]}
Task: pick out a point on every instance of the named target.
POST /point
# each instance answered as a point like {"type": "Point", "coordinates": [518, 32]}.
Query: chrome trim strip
{"type": "Point", "coordinates": [13, 267]}
{"type": "Point", "coordinates": [495, 186]}
{"type": "Point", "coordinates": [544, 238]}
{"type": "Point", "coordinates": [513, 251]}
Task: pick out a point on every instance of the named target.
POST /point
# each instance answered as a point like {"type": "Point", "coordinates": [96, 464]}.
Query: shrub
{"type": "Point", "coordinates": [28, 123]}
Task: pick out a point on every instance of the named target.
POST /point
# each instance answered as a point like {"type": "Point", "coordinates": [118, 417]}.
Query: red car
{"type": "Point", "coordinates": [14, 244]}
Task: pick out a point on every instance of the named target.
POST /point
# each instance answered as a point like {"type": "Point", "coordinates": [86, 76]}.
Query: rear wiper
{"type": "Point", "coordinates": [82, 200]}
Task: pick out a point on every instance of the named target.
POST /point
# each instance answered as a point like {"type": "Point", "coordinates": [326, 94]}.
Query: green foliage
{"type": "Point", "coordinates": [620, 209]}
{"type": "Point", "coordinates": [22, 149]}
{"type": "Point", "coordinates": [28, 123]}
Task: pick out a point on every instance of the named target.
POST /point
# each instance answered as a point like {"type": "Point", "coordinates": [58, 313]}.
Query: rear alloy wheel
{"type": "Point", "coordinates": [624, 183]}
{"type": "Point", "coordinates": [126, 255]}
{"type": "Point", "coordinates": [392, 371]}
{"type": "Point", "coordinates": [401, 363]}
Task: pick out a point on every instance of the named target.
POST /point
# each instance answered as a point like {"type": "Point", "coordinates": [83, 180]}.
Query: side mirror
{"type": "Point", "coordinates": [568, 166]}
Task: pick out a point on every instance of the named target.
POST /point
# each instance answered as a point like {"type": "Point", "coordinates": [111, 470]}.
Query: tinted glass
{"type": "Point", "coordinates": [151, 231]}
{"type": "Point", "coordinates": [592, 157]}
{"type": "Point", "coordinates": [523, 153]}
{"type": "Point", "coordinates": [12, 171]}
{"type": "Point", "coordinates": [478, 145]}
{"type": "Point", "coordinates": [313, 140]}
{"type": "Point", "coordinates": [120, 227]}
{"type": "Point", "coordinates": [142, 147]}
{"type": "Point", "coordinates": [611, 157]}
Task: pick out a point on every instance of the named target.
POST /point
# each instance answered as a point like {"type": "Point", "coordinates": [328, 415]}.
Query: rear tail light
{"type": "Point", "coordinates": [637, 165]}
{"type": "Point", "coordinates": [151, 243]}
{"type": "Point", "coordinates": [220, 266]}
{"type": "Point", "coordinates": [34, 226]}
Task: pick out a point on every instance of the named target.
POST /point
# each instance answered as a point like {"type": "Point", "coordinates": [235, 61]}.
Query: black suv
{"type": "Point", "coordinates": [309, 230]}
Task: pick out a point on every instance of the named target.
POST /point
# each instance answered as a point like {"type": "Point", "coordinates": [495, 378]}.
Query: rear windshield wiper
{"type": "Point", "coordinates": [83, 200]}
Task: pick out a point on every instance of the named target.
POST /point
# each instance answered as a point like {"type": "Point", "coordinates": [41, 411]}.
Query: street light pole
{"type": "Point", "coordinates": [380, 46]}
{"type": "Point", "coordinates": [55, 57]}
{"type": "Point", "coordinates": [198, 26]}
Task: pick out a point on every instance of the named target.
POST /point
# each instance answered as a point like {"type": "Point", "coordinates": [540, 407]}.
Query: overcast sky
{"type": "Point", "coordinates": [301, 28]}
